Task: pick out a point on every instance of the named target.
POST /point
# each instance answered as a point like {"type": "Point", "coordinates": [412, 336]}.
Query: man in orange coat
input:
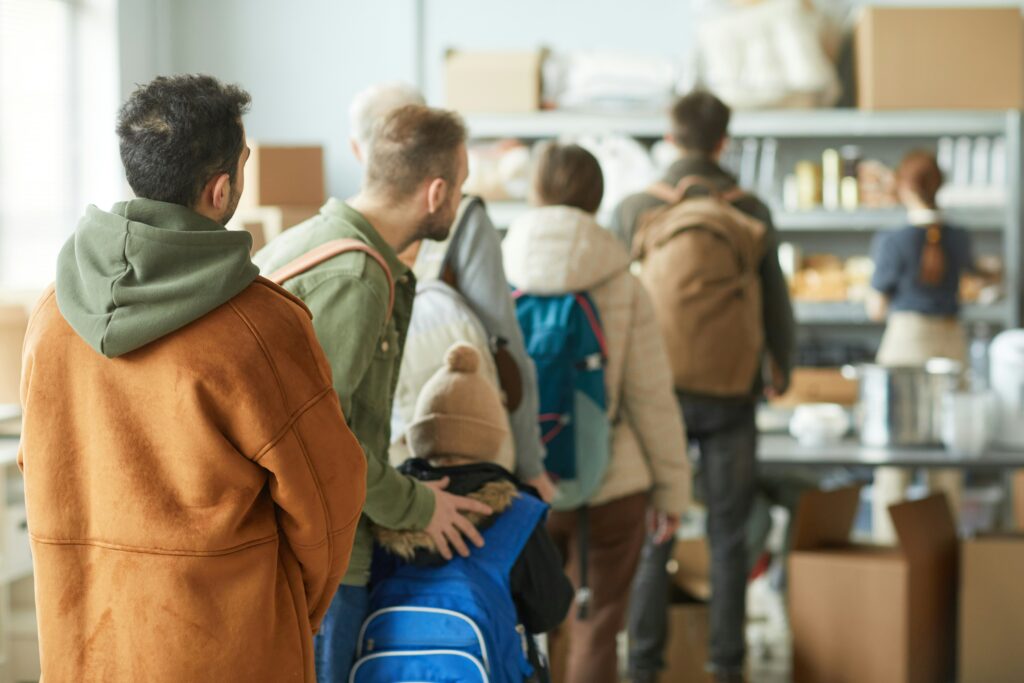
{"type": "Point", "coordinates": [192, 487]}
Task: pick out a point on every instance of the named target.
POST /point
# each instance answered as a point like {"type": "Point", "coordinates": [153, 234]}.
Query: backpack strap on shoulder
{"type": "Point", "coordinates": [673, 194]}
{"type": "Point", "coordinates": [432, 262]}
{"type": "Point", "coordinates": [327, 251]}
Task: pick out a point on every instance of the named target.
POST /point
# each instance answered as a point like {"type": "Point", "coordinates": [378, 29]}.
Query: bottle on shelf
{"type": "Point", "coordinates": [981, 339]}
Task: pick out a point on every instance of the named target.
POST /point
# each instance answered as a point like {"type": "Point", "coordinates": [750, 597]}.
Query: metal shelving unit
{"type": "Point", "coordinates": [981, 219]}
{"type": "Point", "coordinates": [820, 123]}
{"type": "Point", "coordinates": [853, 313]}
{"type": "Point", "coordinates": [892, 131]}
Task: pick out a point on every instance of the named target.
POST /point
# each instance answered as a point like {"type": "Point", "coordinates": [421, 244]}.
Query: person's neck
{"type": "Point", "coordinates": [696, 155]}
{"type": "Point", "coordinates": [391, 220]}
{"type": "Point", "coordinates": [208, 212]}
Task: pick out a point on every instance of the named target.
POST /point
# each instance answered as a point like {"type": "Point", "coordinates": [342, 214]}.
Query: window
{"type": "Point", "coordinates": [58, 151]}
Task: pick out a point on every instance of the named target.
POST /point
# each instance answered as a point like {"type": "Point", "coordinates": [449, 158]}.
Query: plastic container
{"type": "Point", "coordinates": [1006, 361]}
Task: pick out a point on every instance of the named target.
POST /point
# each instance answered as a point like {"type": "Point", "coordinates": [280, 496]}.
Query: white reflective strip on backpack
{"type": "Point", "coordinates": [426, 610]}
{"type": "Point", "coordinates": [418, 653]}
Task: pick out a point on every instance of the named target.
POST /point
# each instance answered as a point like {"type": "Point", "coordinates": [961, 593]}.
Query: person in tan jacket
{"type": "Point", "coordinates": [558, 248]}
{"type": "Point", "coordinates": [192, 487]}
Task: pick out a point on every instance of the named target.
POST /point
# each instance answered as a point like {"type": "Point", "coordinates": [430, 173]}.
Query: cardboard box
{"type": "Point", "coordinates": [1018, 499]}
{"type": "Point", "coordinates": [279, 175]}
{"type": "Point", "coordinates": [687, 650]}
{"type": "Point", "coordinates": [992, 610]}
{"type": "Point", "coordinates": [13, 325]}
{"type": "Point", "coordinates": [500, 82]}
{"type": "Point", "coordinates": [265, 223]}
{"type": "Point", "coordinates": [690, 567]}
{"type": "Point", "coordinates": [884, 615]}
{"type": "Point", "coordinates": [940, 58]}
{"type": "Point", "coordinates": [819, 385]}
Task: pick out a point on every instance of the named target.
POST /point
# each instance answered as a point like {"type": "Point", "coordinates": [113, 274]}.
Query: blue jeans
{"type": "Point", "coordinates": [335, 645]}
{"type": "Point", "coordinates": [726, 435]}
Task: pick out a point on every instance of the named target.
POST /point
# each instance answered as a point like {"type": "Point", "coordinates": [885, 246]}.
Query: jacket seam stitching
{"type": "Point", "coordinates": [155, 551]}
{"type": "Point", "coordinates": [292, 419]}
{"type": "Point", "coordinates": [361, 283]}
{"type": "Point", "coordinates": [263, 347]}
{"type": "Point", "coordinates": [328, 536]}
{"type": "Point", "coordinates": [309, 349]}
{"type": "Point", "coordinates": [320, 492]}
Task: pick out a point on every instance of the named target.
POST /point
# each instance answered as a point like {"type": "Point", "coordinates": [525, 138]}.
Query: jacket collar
{"type": "Point", "coordinates": [365, 230]}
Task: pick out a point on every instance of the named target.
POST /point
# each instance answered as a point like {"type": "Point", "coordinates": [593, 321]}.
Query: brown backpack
{"type": "Point", "coordinates": [700, 260]}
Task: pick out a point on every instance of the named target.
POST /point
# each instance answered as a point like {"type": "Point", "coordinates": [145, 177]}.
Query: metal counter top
{"type": "Point", "coordinates": [783, 450]}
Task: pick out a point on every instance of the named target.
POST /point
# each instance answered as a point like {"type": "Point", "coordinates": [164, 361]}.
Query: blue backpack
{"type": "Point", "coordinates": [564, 338]}
{"type": "Point", "coordinates": [456, 621]}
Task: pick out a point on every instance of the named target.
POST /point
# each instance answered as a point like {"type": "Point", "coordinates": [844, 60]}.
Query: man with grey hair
{"type": "Point", "coordinates": [473, 263]}
{"type": "Point", "coordinates": [370, 106]}
{"type": "Point", "coordinates": [362, 304]}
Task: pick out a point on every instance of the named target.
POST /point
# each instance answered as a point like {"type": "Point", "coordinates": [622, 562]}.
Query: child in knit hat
{"type": "Point", "coordinates": [457, 431]}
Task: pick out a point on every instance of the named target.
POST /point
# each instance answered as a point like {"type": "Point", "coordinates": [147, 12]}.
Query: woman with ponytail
{"type": "Point", "coordinates": [916, 289]}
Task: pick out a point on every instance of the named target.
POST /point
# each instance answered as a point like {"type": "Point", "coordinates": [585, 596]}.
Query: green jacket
{"type": "Point", "coordinates": [348, 296]}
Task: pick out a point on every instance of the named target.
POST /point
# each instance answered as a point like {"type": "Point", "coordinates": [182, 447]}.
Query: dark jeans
{"type": "Point", "coordinates": [726, 435]}
{"type": "Point", "coordinates": [334, 646]}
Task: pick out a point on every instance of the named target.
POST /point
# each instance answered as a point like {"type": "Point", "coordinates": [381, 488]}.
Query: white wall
{"type": "Point", "coordinates": [303, 60]}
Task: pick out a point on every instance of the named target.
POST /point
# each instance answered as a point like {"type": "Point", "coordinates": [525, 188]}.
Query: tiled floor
{"type": "Point", "coordinates": [768, 639]}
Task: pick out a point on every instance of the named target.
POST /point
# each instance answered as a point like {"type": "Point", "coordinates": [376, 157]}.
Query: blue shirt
{"type": "Point", "coordinates": [897, 256]}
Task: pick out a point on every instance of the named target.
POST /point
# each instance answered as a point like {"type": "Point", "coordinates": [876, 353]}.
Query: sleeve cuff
{"type": "Point", "coordinates": [422, 507]}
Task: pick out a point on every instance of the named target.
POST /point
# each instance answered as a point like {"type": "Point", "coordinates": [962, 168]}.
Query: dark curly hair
{"type": "Point", "coordinates": [700, 121]}
{"type": "Point", "coordinates": [178, 132]}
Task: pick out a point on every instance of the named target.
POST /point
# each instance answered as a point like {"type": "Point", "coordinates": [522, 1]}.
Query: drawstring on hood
{"type": "Point", "coordinates": [145, 269]}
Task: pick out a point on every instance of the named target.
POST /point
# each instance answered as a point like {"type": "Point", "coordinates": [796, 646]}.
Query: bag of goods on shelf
{"type": "Point", "coordinates": [858, 271]}
{"type": "Point", "coordinates": [595, 79]}
{"type": "Point", "coordinates": [498, 170]}
{"type": "Point", "coordinates": [821, 278]}
{"type": "Point", "coordinates": [877, 185]}
{"type": "Point", "coordinates": [771, 54]}
{"type": "Point", "coordinates": [626, 165]}
{"type": "Point", "coordinates": [985, 285]}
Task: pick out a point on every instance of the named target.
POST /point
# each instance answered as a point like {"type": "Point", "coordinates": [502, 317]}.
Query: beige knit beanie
{"type": "Point", "coordinates": [458, 411]}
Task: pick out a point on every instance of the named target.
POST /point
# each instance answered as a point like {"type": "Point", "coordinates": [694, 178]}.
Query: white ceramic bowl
{"type": "Point", "coordinates": [819, 424]}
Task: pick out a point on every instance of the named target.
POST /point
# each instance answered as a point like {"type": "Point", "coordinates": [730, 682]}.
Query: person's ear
{"type": "Point", "coordinates": [437, 193]}
{"type": "Point", "coordinates": [669, 138]}
{"type": "Point", "coordinates": [220, 192]}
{"type": "Point", "coordinates": [357, 151]}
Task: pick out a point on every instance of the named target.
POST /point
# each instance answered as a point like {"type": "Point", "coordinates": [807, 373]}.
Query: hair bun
{"type": "Point", "coordinates": [462, 358]}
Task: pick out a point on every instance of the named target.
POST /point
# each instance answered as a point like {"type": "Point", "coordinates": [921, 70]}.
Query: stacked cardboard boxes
{"type": "Point", "coordinates": [860, 613]}
{"type": "Point", "coordinates": [284, 185]}
{"type": "Point", "coordinates": [992, 610]}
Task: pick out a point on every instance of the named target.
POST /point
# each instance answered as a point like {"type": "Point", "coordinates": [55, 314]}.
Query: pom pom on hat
{"type": "Point", "coordinates": [462, 358]}
{"type": "Point", "coordinates": [459, 411]}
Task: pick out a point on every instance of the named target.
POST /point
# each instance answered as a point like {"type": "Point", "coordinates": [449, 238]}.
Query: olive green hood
{"type": "Point", "coordinates": [132, 275]}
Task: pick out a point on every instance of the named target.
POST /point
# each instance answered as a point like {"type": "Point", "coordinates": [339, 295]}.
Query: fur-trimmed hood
{"type": "Point", "coordinates": [409, 544]}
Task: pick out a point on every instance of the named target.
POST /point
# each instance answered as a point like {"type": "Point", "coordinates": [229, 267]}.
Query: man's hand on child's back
{"type": "Point", "coordinates": [448, 525]}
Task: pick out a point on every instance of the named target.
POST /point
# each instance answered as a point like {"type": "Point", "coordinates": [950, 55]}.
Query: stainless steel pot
{"type": "Point", "coordinates": [902, 406]}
